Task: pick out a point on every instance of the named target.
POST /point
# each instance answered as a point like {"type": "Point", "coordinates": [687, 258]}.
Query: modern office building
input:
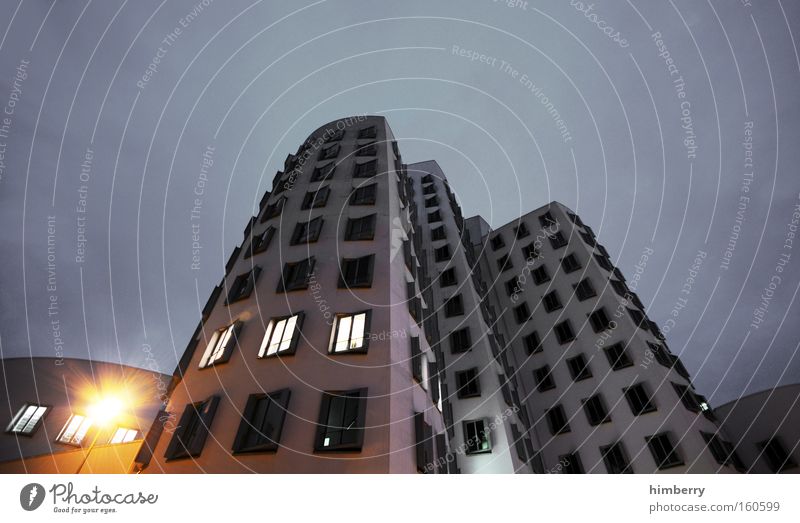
{"type": "Point", "coordinates": [364, 325]}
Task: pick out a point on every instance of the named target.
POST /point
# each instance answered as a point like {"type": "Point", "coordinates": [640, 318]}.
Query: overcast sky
{"type": "Point", "coordinates": [636, 114]}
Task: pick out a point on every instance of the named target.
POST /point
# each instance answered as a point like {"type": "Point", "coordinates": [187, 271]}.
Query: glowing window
{"type": "Point", "coordinates": [27, 419]}
{"type": "Point", "coordinates": [75, 430]}
{"type": "Point", "coordinates": [123, 435]}
{"type": "Point", "coordinates": [281, 336]}
{"type": "Point", "coordinates": [350, 333]}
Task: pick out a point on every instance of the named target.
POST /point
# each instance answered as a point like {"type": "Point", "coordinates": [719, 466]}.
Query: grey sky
{"type": "Point", "coordinates": [252, 80]}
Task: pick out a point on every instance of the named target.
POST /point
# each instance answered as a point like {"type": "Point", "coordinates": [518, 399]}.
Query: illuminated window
{"type": "Point", "coordinates": [281, 336]}
{"type": "Point", "coordinates": [123, 435]}
{"type": "Point", "coordinates": [75, 430]}
{"type": "Point", "coordinates": [27, 419]}
{"type": "Point", "coordinates": [220, 345]}
{"type": "Point", "coordinates": [342, 417]}
{"type": "Point", "coordinates": [476, 436]}
{"type": "Point", "coordinates": [351, 333]}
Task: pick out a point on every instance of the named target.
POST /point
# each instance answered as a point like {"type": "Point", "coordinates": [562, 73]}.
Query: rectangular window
{"type": "Point", "coordinates": [579, 368]}
{"type": "Point", "coordinates": [575, 219]}
{"type": "Point", "coordinates": [530, 252]}
{"type": "Point", "coordinates": [123, 435]}
{"type": "Point", "coordinates": [439, 233]}
{"type": "Point", "coordinates": [441, 254]}
{"type": "Point", "coordinates": [329, 152]}
{"type": "Point", "coordinates": [281, 336]}
{"type": "Point", "coordinates": [777, 456]}
{"type": "Point", "coordinates": [460, 341]}
{"type": "Point", "coordinates": [584, 290]}
{"type": "Point", "coordinates": [557, 240]}
{"type": "Point", "coordinates": [356, 272]}
{"type": "Point", "coordinates": [663, 451]}
{"type": "Point", "coordinates": [27, 419]}
{"type": "Point", "coordinates": [368, 149]}
{"type": "Point", "coordinates": [504, 263]}
{"type": "Point", "coordinates": [192, 430]}
{"type": "Point", "coordinates": [476, 436]}
{"type": "Point", "coordinates": [467, 383]}
{"type": "Point", "coordinates": [616, 459]}
{"type": "Point", "coordinates": [419, 367]}
{"type": "Point", "coordinates": [540, 275]}
{"type": "Point", "coordinates": [551, 301]}
{"type": "Point", "coordinates": [570, 263]}
{"type": "Point", "coordinates": [368, 133]}
{"type": "Point", "coordinates": [243, 285]}
{"type": "Point", "coordinates": [260, 242]}
{"type": "Point", "coordinates": [307, 232]}
{"type": "Point", "coordinates": [221, 345]}
{"type": "Point", "coordinates": [364, 195]}
{"type": "Point", "coordinates": [262, 422]}
{"type": "Point", "coordinates": [435, 216]}
{"type": "Point", "coordinates": [335, 136]}
{"type": "Point", "coordinates": [424, 443]}
{"type": "Point", "coordinates": [521, 231]}
{"type": "Point", "coordinates": [295, 275]}
{"type": "Point", "coordinates": [350, 333]}
{"type": "Point", "coordinates": [366, 169]}
{"type": "Point", "coordinates": [638, 318]}
{"type": "Point", "coordinates": [638, 399]}
{"type": "Point", "coordinates": [428, 189]}
{"type": "Point", "coordinates": [603, 262]}
{"type": "Point", "coordinates": [432, 202]}
{"type": "Point", "coordinates": [547, 220]}
{"type": "Point", "coordinates": [544, 378]}
{"type": "Point", "coordinates": [617, 356]}
{"type": "Point", "coordinates": [557, 420]}
{"type": "Point", "coordinates": [564, 332]}
{"type": "Point", "coordinates": [448, 277]}
{"type": "Point", "coordinates": [722, 451]}
{"type": "Point", "coordinates": [75, 430]}
{"type": "Point", "coordinates": [511, 286]}
{"type": "Point", "coordinates": [596, 411]}
{"type": "Point", "coordinates": [323, 172]}
{"type": "Point", "coordinates": [454, 306]}
{"type": "Point", "coordinates": [273, 210]}
{"type": "Point", "coordinates": [600, 320]}
{"type": "Point", "coordinates": [688, 397]}
{"type": "Point", "coordinates": [522, 313]}
{"type": "Point", "coordinates": [571, 463]}
{"type": "Point", "coordinates": [342, 418]}
{"type": "Point", "coordinates": [532, 343]}
{"type": "Point", "coordinates": [316, 199]}
{"type": "Point", "coordinates": [359, 229]}
{"type": "Point", "coordinates": [497, 242]}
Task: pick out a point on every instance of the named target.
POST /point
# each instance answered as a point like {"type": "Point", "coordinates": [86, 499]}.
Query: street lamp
{"type": "Point", "coordinates": [102, 413]}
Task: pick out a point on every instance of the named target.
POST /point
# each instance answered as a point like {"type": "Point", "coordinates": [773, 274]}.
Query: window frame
{"type": "Point", "coordinates": [288, 282]}
{"type": "Point", "coordinates": [366, 283]}
{"type": "Point", "coordinates": [222, 343]}
{"type": "Point", "coordinates": [24, 431]}
{"type": "Point", "coordinates": [364, 195]}
{"type": "Point", "coordinates": [362, 235]}
{"type": "Point", "coordinates": [279, 400]}
{"type": "Point", "coordinates": [269, 333]}
{"type": "Point", "coordinates": [334, 340]}
{"type": "Point", "coordinates": [360, 397]}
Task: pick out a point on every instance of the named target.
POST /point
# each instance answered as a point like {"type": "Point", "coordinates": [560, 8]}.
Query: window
{"type": "Point", "coordinates": [350, 333]}
{"type": "Point", "coordinates": [557, 420]}
{"type": "Point", "coordinates": [476, 436]}
{"type": "Point", "coordinates": [776, 455]}
{"type": "Point", "coordinates": [342, 418]}
{"type": "Point", "coordinates": [428, 189]}
{"type": "Point", "coordinates": [557, 240]}
{"type": "Point", "coordinates": [689, 399]}
{"type": "Point", "coordinates": [638, 318]}
{"type": "Point", "coordinates": [368, 149]}
{"type": "Point", "coordinates": [307, 232]}
{"type": "Point", "coordinates": [588, 238]}
{"type": "Point", "coordinates": [620, 288]}
{"type": "Point", "coordinates": [521, 231]}
{"type": "Point", "coordinates": [438, 233]}
{"type": "Point", "coordinates": [596, 411]}
{"type": "Point", "coordinates": [617, 356]}
{"type": "Point", "coordinates": [262, 422]}
{"type": "Point", "coordinates": [295, 275]}
{"type": "Point", "coordinates": [442, 253]}
{"type": "Point", "coordinates": [638, 399]}
{"type": "Point", "coordinates": [551, 301]}
{"type": "Point", "coordinates": [467, 383]}
{"type": "Point", "coordinates": [243, 285]}
{"type": "Point", "coordinates": [504, 263]}
{"type": "Point", "coordinates": [427, 179]}
{"type": "Point", "coordinates": [362, 228]}
{"type": "Point", "coordinates": [540, 275]}
{"type": "Point", "coordinates": [603, 262]}
{"type": "Point", "coordinates": [27, 419]}
{"type": "Point", "coordinates": [460, 341]}
{"type": "Point", "coordinates": [432, 202]}
{"type": "Point", "coordinates": [220, 346]}
{"type": "Point", "coordinates": [522, 313]}
{"type": "Point", "coordinates": [564, 332]}
{"type": "Point", "coordinates": [722, 450]}
{"type": "Point", "coordinates": [260, 242]}
{"type": "Point", "coordinates": [75, 430]}
{"type": "Point", "coordinates": [329, 152]}
{"type": "Point", "coordinates": [356, 272]}
{"type": "Point", "coordinates": [454, 306]}
{"type": "Point", "coordinates": [335, 136]}
{"type": "Point", "coordinates": [316, 199]}
{"type": "Point", "coordinates": [570, 263]}
{"type": "Point", "coordinates": [364, 195]}
{"type": "Point", "coordinates": [448, 277]}
{"type": "Point", "coordinates": [543, 378]}
{"type": "Point", "coordinates": [192, 430]}
{"type": "Point", "coordinates": [418, 370]}
{"type": "Point", "coordinates": [323, 172]}
{"type": "Point", "coordinates": [600, 320]}
{"type": "Point", "coordinates": [584, 290]}
{"type": "Point", "coordinates": [424, 444]}
{"type": "Point", "coordinates": [664, 453]}
{"type": "Point", "coordinates": [123, 435]}
{"type": "Point", "coordinates": [281, 336]}
{"type": "Point", "coordinates": [511, 286]}
{"type": "Point", "coordinates": [547, 220]}
{"type": "Point", "coordinates": [273, 210]}
{"type": "Point", "coordinates": [368, 133]}
{"type": "Point", "coordinates": [435, 216]}
{"type": "Point", "coordinates": [579, 368]}
{"type": "Point", "coordinates": [571, 463]}
{"type": "Point", "coordinates": [532, 342]}
{"type": "Point", "coordinates": [366, 169]}
{"type": "Point", "coordinates": [530, 251]}
{"type": "Point", "coordinates": [497, 242]}
{"type": "Point", "coordinates": [615, 459]}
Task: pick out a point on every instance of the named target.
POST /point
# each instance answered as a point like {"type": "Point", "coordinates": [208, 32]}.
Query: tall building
{"type": "Point", "coordinates": [365, 326]}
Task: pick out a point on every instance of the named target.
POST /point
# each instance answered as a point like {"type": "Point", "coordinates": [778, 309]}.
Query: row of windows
{"type": "Point", "coordinates": [30, 416]}
{"type": "Point", "coordinates": [317, 199]}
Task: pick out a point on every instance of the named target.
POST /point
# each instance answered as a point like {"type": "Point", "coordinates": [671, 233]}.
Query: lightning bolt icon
{"type": "Point", "coordinates": [32, 495]}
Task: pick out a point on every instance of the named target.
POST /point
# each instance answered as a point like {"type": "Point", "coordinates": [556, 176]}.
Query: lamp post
{"type": "Point", "coordinates": [101, 413]}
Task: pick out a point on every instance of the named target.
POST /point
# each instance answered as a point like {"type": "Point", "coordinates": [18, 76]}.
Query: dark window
{"type": "Point", "coordinates": [336, 136]}
{"type": "Point", "coordinates": [416, 359]}
{"type": "Point", "coordinates": [616, 459]}
{"type": "Point", "coordinates": [522, 313]}
{"type": "Point", "coordinates": [362, 228]}
{"type": "Point", "coordinates": [262, 422]}
{"type": "Point", "coordinates": [435, 216]}
{"type": "Point", "coordinates": [689, 399]}
{"type": "Point", "coordinates": [467, 383]}
{"type": "Point", "coordinates": [448, 277]}
{"type": "Point", "coordinates": [557, 240]}
{"type": "Point", "coordinates": [617, 356]}
{"type": "Point", "coordinates": [776, 455]}
{"type": "Point", "coordinates": [316, 199]}
{"type": "Point", "coordinates": [639, 319]}
{"type": "Point", "coordinates": [532, 342]}
{"type": "Point", "coordinates": [351, 333]}
{"type": "Point", "coordinates": [664, 453]}
{"type": "Point", "coordinates": [306, 232]}
{"type": "Point", "coordinates": [544, 378]}
{"type": "Point", "coordinates": [638, 399]}
{"type": "Point", "coordinates": [551, 301]}
{"type": "Point", "coordinates": [521, 231]}
{"type": "Point", "coordinates": [497, 242]}
{"type": "Point", "coordinates": [366, 169]}
{"type": "Point", "coordinates": [600, 320]}
{"type": "Point", "coordinates": [295, 275]}
{"type": "Point", "coordinates": [460, 341]}
{"type": "Point", "coordinates": [329, 152]}
{"type": "Point", "coordinates": [368, 149]}
{"type": "Point", "coordinates": [575, 218]}
{"type": "Point", "coordinates": [424, 444]}
{"type": "Point", "coordinates": [323, 172]}
{"type": "Point", "coordinates": [530, 251]}
{"type": "Point", "coordinates": [243, 285]}
{"type": "Point", "coordinates": [570, 263]}
{"type": "Point", "coordinates": [620, 288]}
{"type": "Point", "coordinates": [511, 286]}
{"type": "Point", "coordinates": [192, 430]}
{"type": "Point", "coordinates": [596, 411]}
{"type": "Point", "coordinates": [547, 220]}
{"type": "Point", "coordinates": [571, 463]}
{"type": "Point", "coordinates": [579, 368]}
{"type": "Point", "coordinates": [722, 450]}
{"type": "Point", "coordinates": [476, 436]}
{"type": "Point", "coordinates": [428, 189]}
{"type": "Point", "coordinates": [454, 306]}
{"type": "Point", "coordinates": [260, 242]}
{"type": "Point", "coordinates": [564, 332]}
{"type": "Point", "coordinates": [557, 420]}
{"type": "Point", "coordinates": [342, 417]}
{"type": "Point", "coordinates": [442, 253]}
{"type": "Point", "coordinates": [356, 272]}
{"type": "Point", "coordinates": [426, 179]}
{"type": "Point", "coordinates": [27, 419]}
{"type": "Point", "coordinates": [504, 262]}
{"type": "Point", "coordinates": [584, 290]}
{"type": "Point", "coordinates": [604, 262]}
{"type": "Point", "coordinates": [432, 202]}
{"type": "Point", "coordinates": [273, 210]}
{"type": "Point", "coordinates": [364, 195]}
{"type": "Point", "coordinates": [368, 133]}
{"type": "Point", "coordinates": [540, 275]}
{"type": "Point", "coordinates": [281, 336]}
{"type": "Point", "coordinates": [438, 233]}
